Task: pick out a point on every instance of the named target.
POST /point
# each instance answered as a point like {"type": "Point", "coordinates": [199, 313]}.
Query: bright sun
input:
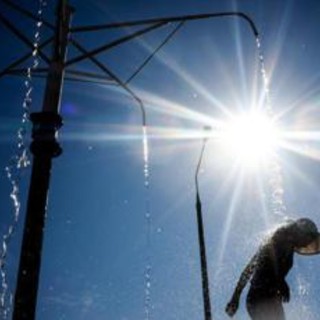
{"type": "Point", "coordinates": [251, 138]}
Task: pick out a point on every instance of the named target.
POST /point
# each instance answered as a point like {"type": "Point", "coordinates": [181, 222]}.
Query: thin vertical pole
{"type": "Point", "coordinates": [202, 245]}
{"type": "Point", "coordinates": [44, 147]}
{"type": "Point", "coordinates": [203, 261]}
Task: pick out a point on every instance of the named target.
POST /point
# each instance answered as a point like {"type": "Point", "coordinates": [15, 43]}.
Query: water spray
{"type": "Point", "coordinates": [18, 162]}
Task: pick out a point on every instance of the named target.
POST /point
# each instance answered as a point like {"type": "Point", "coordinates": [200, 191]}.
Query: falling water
{"type": "Point", "coordinates": [148, 268]}
{"type": "Point", "coordinates": [145, 156]}
{"type": "Point", "coordinates": [278, 207]}
{"type": "Point", "coordinates": [265, 79]}
{"type": "Point", "coordinates": [17, 163]}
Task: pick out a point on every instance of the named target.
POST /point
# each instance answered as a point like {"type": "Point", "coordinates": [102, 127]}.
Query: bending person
{"type": "Point", "coordinates": [269, 267]}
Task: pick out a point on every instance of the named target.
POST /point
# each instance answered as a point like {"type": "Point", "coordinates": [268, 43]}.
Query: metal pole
{"type": "Point", "coordinates": [202, 244]}
{"type": "Point", "coordinates": [203, 260]}
{"type": "Point", "coordinates": [44, 147]}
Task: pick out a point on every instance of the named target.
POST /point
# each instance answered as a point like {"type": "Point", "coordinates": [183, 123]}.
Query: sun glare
{"type": "Point", "coordinates": [251, 138]}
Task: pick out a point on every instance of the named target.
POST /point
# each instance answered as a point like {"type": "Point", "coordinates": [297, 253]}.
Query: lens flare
{"type": "Point", "coordinates": [250, 138]}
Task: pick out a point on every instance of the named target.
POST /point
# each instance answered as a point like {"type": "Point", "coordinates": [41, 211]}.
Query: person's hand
{"type": "Point", "coordinates": [232, 307]}
{"type": "Point", "coordinates": [285, 292]}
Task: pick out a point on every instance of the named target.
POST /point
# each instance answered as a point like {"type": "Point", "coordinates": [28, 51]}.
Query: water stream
{"type": "Point", "coordinates": [148, 267]}
{"type": "Point", "coordinates": [275, 179]}
{"type": "Point", "coordinates": [276, 187]}
{"type": "Point", "coordinates": [18, 162]}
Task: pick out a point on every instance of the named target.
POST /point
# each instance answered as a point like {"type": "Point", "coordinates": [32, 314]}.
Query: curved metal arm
{"type": "Point", "coordinates": [155, 23]}
{"type": "Point", "coordinates": [169, 19]}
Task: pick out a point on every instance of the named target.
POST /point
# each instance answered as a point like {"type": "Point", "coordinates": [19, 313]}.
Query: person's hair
{"type": "Point", "coordinates": [298, 232]}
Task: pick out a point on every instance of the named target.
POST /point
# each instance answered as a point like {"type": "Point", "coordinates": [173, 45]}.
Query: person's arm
{"type": "Point", "coordinates": [246, 274]}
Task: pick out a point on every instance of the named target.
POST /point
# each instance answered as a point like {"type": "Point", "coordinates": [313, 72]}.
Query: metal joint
{"type": "Point", "coordinates": [44, 131]}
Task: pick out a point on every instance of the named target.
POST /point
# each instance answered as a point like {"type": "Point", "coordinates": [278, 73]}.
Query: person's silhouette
{"type": "Point", "coordinates": [269, 267]}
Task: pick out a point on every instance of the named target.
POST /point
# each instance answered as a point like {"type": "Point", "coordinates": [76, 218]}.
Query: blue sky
{"type": "Point", "coordinates": [96, 247]}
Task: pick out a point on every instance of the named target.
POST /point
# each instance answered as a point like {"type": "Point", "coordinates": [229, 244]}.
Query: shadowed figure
{"type": "Point", "coordinates": [269, 267]}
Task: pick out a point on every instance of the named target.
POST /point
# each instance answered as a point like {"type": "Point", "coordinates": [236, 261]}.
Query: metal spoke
{"type": "Point", "coordinates": [21, 36]}
{"type": "Point", "coordinates": [23, 59]}
{"type": "Point", "coordinates": [26, 13]}
{"type": "Point", "coordinates": [93, 53]}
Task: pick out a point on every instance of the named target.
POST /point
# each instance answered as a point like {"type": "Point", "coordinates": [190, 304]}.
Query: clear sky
{"type": "Point", "coordinates": [96, 246]}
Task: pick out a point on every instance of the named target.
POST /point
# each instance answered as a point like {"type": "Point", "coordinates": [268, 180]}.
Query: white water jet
{"type": "Point", "coordinates": [275, 179]}
{"type": "Point", "coordinates": [18, 162]}
{"type": "Point", "coordinates": [148, 267]}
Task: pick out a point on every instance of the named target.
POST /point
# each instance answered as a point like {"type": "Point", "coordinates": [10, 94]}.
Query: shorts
{"type": "Point", "coordinates": [264, 304]}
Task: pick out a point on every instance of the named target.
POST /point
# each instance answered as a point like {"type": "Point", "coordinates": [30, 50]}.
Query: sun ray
{"type": "Point", "coordinates": [305, 151]}
{"type": "Point", "coordinates": [279, 44]}
{"type": "Point", "coordinates": [167, 107]}
{"type": "Point", "coordinates": [263, 199]}
{"type": "Point", "coordinates": [300, 174]}
{"type": "Point", "coordinates": [240, 57]}
{"type": "Point", "coordinates": [194, 84]}
{"type": "Point", "coordinates": [302, 142]}
{"type": "Point", "coordinates": [229, 216]}
{"type": "Point", "coordinates": [309, 90]}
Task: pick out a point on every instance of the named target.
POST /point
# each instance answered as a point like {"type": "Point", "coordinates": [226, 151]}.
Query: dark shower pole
{"type": "Point", "coordinates": [201, 238]}
{"type": "Point", "coordinates": [44, 148]}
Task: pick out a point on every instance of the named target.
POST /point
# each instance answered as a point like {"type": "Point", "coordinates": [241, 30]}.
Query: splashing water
{"type": "Point", "coordinates": [277, 204]}
{"type": "Point", "coordinates": [148, 267]}
{"type": "Point", "coordinates": [145, 156]}
{"type": "Point", "coordinates": [265, 79]}
{"type": "Point", "coordinates": [303, 285]}
{"type": "Point", "coordinates": [14, 169]}
{"type": "Point", "coordinates": [147, 292]}
{"type": "Point", "coordinates": [277, 191]}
